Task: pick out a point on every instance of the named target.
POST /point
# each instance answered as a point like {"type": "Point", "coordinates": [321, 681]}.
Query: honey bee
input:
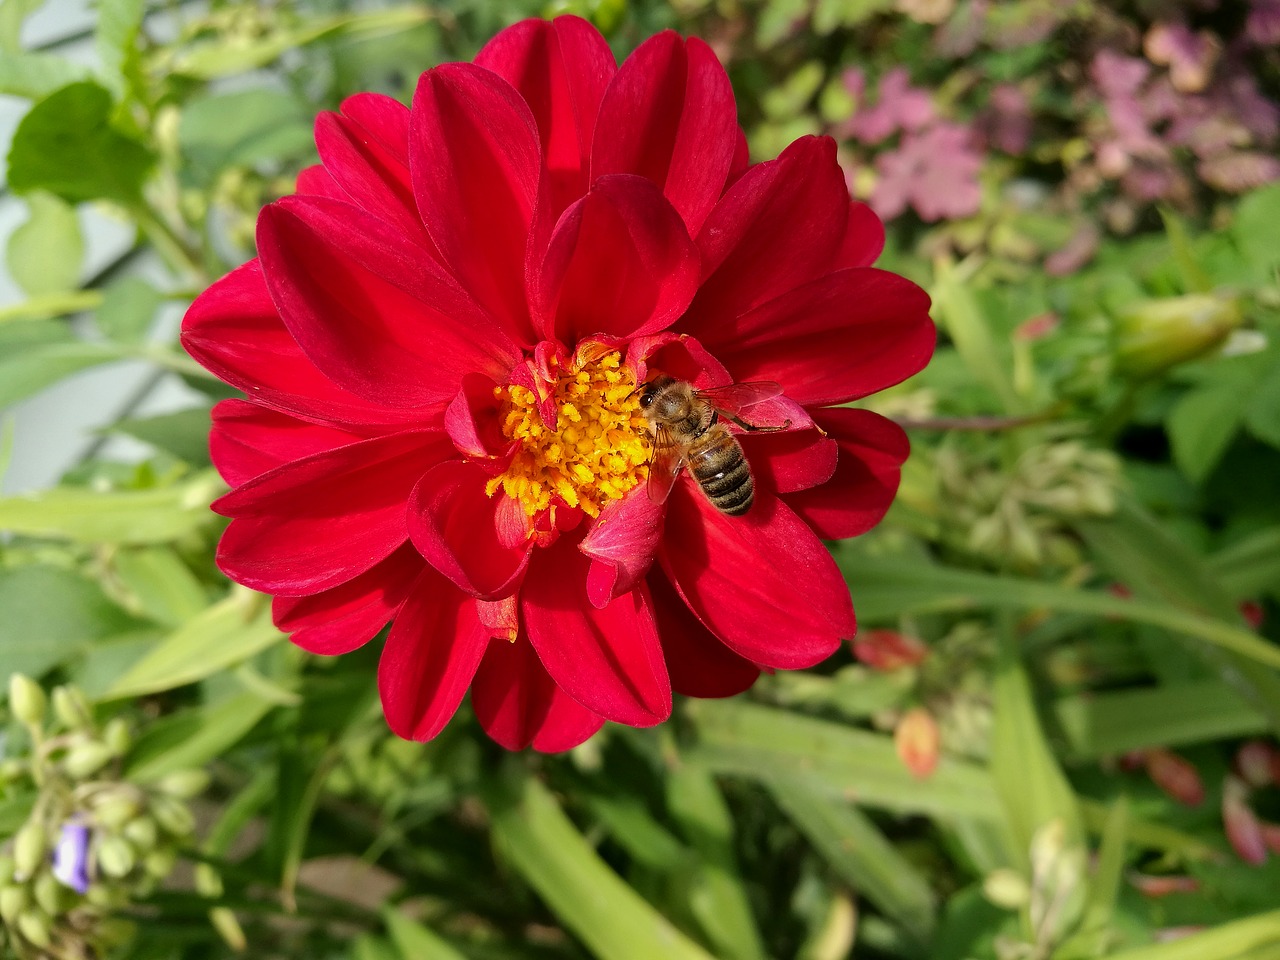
{"type": "Point", "coordinates": [688, 429]}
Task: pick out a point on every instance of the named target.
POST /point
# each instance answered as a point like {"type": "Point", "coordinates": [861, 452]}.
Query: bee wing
{"type": "Point", "coordinates": [664, 464]}
{"type": "Point", "coordinates": [733, 398]}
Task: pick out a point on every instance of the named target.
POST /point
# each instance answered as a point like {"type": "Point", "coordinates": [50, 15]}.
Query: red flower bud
{"type": "Point", "coordinates": [888, 649]}
{"type": "Point", "coordinates": [1253, 614]}
{"type": "Point", "coordinates": [1175, 776]}
{"type": "Point", "coordinates": [1255, 762]}
{"type": "Point", "coordinates": [918, 741]}
{"type": "Point", "coordinates": [1244, 829]}
{"type": "Point", "coordinates": [1155, 887]}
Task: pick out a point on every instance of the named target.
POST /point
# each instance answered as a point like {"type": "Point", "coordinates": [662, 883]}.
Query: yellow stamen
{"type": "Point", "coordinates": [598, 451]}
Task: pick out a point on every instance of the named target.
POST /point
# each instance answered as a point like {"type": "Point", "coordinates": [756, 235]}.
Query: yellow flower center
{"type": "Point", "coordinates": [595, 452]}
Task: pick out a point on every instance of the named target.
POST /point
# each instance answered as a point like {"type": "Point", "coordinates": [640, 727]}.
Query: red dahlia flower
{"type": "Point", "coordinates": [441, 344]}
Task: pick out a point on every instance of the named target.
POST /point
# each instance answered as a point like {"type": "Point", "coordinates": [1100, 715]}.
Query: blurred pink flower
{"type": "Point", "coordinates": [1077, 251]}
{"type": "Point", "coordinates": [1263, 25]}
{"type": "Point", "coordinates": [935, 171]}
{"type": "Point", "coordinates": [899, 106]}
{"type": "Point", "coordinates": [1006, 123]}
{"type": "Point", "coordinates": [1189, 56]}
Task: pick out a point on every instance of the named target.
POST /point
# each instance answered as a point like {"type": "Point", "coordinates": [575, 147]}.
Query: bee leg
{"type": "Point", "coordinates": [755, 428]}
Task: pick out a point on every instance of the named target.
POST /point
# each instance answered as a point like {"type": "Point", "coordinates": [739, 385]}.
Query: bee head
{"type": "Point", "coordinates": [649, 392]}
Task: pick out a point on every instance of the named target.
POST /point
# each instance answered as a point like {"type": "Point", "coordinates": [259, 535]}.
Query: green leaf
{"type": "Point", "coordinates": [1262, 417]}
{"type": "Point", "coordinates": [67, 145]}
{"type": "Point", "coordinates": [1250, 566]}
{"type": "Point", "coordinates": [116, 38]}
{"type": "Point", "coordinates": [45, 253]}
{"type": "Point", "coordinates": [630, 823]}
{"type": "Point", "coordinates": [1231, 941]}
{"type": "Point", "coordinates": [242, 129]}
{"type": "Point", "coordinates": [124, 516]}
{"type": "Point", "coordinates": [185, 434]}
{"type": "Point", "coordinates": [164, 586]}
{"type": "Point", "coordinates": [414, 941]}
{"type": "Point", "coordinates": [1203, 424]}
{"type": "Point", "coordinates": [1254, 229]}
{"type": "Point", "coordinates": [765, 744]}
{"type": "Point", "coordinates": [854, 847]}
{"type": "Point", "coordinates": [28, 370]}
{"type": "Point", "coordinates": [718, 896]}
{"type": "Point", "coordinates": [223, 635]}
{"type": "Point", "coordinates": [830, 14]}
{"type": "Point", "coordinates": [1149, 835]}
{"type": "Point", "coordinates": [886, 588]}
{"type": "Point", "coordinates": [51, 615]}
{"type": "Point", "coordinates": [1104, 889]}
{"type": "Point", "coordinates": [13, 13]}
{"type": "Point", "coordinates": [193, 738]}
{"type": "Point", "coordinates": [541, 844]}
{"type": "Point", "coordinates": [958, 309]}
{"type": "Point", "coordinates": [128, 307]}
{"type": "Point", "coordinates": [1194, 278]}
{"type": "Point", "coordinates": [1110, 723]}
{"type": "Point", "coordinates": [52, 305]}
{"type": "Point", "coordinates": [33, 75]}
{"type": "Point", "coordinates": [1031, 784]}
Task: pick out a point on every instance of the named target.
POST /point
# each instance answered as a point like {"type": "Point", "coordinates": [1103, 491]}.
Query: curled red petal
{"type": "Point", "coordinates": [365, 149]}
{"type": "Point", "coordinates": [247, 440]}
{"type": "Point", "coordinates": [475, 159]}
{"type": "Point", "coordinates": [619, 263]}
{"type": "Point", "coordinates": [432, 653]}
{"type": "Point", "coordinates": [315, 523]}
{"type": "Point", "coordinates": [622, 544]}
{"type": "Point", "coordinates": [761, 582]}
{"type": "Point", "coordinates": [669, 115]}
{"type": "Point", "coordinates": [868, 467]}
{"type": "Point", "coordinates": [370, 307]}
{"type": "Point", "coordinates": [610, 659]}
{"type": "Point", "coordinates": [700, 665]}
{"type": "Point", "coordinates": [342, 618]}
{"type": "Point", "coordinates": [876, 322]}
{"type": "Point", "coordinates": [461, 531]}
{"type": "Point", "coordinates": [561, 68]}
{"type": "Point", "coordinates": [234, 331]}
{"type": "Point", "coordinates": [789, 461]}
{"type": "Point", "coordinates": [473, 420]}
{"type": "Point", "coordinates": [519, 705]}
{"type": "Point", "coordinates": [778, 227]}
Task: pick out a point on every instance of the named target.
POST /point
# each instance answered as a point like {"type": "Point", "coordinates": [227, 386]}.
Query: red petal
{"type": "Point", "coordinates": [518, 703]}
{"type": "Point", "coordinates": [314, 181]}
{"type": "Point", "coordinates": [349, 615]}
{"type": "Point", "coordinates": [700, 665]}
{"type": "Point", "coordinates": [561, 70]}
{"type": "Point", "coordinates": [248, 440]}
{"type": "Point", "coordinates": [476, 163]}
{"type": "Point", "coordinates": [779, 226]}
{"type": "Point", "coordinates": [619, 264]}
{"type": "Point", "coordinates": [622, 544]}
{"type": "Point", "coordinates": [461, 531]}
{"type": "Point", "coordinates": [794, 460]}
{"type": "Point", "coordinates": [609, 660]}
{"type": "Point", "coordinates": [872, 451]}
{"type": "Point", "coordinates": [669, 115]}
{"type": "Point", "coordinates": [473, 419]}
{"type": "Point", "coordinates": [315, 523]}
{"type": "Point", "coordinates": [876, 324]}
{"type": "Point", "coordinates": [370, 307]}
{"type": "Point", "coordinates": [432, 652]}
{"type": "Point", "coordinates": [234, 331]}
{"type": "Point", "coordinates": [365, 148]}
{"type": "Point", "coordinates": [762, 582]}
{"type": "Point", "coordinates": [863, 238]}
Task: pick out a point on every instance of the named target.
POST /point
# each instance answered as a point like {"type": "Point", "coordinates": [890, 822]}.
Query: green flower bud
{"type": "Point", "coordinates": [7, 870]}
{"type": "Point", "coordinates": [34, 926]}
{"type": "Point", "coordinates": [30, 848]}
{"type": "Point", "coordinates": [159, 863]}
{"type": "Point", "coordinates": [12, 771]}
{"type": "Point", "coordinates": [142, 833]}
{"type": "Point", "coordinates": [27, 700]}
{"type": "Point", "coordinates": [49, 893]}
{"type": "Point", "coordinates": [86, 759]}
{"type": "Point", "coordinates": [1153, 335]}
{"type": "Point", "coordinates": [116, 736]}
{"type": "Point", "coordinates": [228, 927]}
{"type": "Point", "coordinates": [1006, 888]}
{"type": "Point", "coordinates": [173, 816]}
{"type": "Point", "coordinates": [116, 809]}
{"type": "Point", "coordinates": [71, 707]}
{"type": "Point", "coordinates": [115, 856]}
{"type": "Point", "coordinates": [13, 900]}
{"type": "Point", "coordinates": [106, 897]}
{"type": "Point", "coordinates": [184, 783]}
{"type": "Point", "coordinates": [208, 881]}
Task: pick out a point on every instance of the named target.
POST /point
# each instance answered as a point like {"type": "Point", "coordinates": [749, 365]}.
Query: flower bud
{"type": "Point", "coordinates": [159, 863]}
{"type": "Point", "coordinates": [173, 816]}
{"type": "Point", "coordinates": [116, 736]}
{"type": "Point", "coordinates": [13, 900]}
{"type": "Point", "coordinates": [1153, 335]}
{"type": "Point", "coordinates": [142, 833]}
{"type": "Point", "coordinates": [48, 893]}
{"type": "Point", "coordinates": [917, 740]}
{"type": "Point", "coordinates": [34, 926]}
{"type": "Point", "coordinates": [228, 927]}
{"type": "Point", "coordinates": [1253, 761]}
{"type": "Point", "coordinates": [29, 848]}
{"type": "Point", "coordinates": [1154, 886]}
{"type": "Point", "coordinates": [7, 870]}
{"type": "Point", "coordinates": [86, 759]}
{"type": "Point", "coordinates": [184, 783]}
{"type": "Point", "coordinates": [115, 809]}
{"type": "Point", "coordinates": [27, 700]}
{"type": "Point", "coordinates": [1175, 776]}
{"type": "Point", "coordinates": [1244, 829]}
{"type": "Point", "coordinates": [208, 881]}
{"type": "Point", "coordinates": [115, 856]}
{"type": "Point", "coordinates": [12, 770]}
{"type": "Point", "coordinates": [71, 708]}
{"type": "Point", "coordinates": [887, 649]}
{"type": "Point", "coordinates": [1006, 888]}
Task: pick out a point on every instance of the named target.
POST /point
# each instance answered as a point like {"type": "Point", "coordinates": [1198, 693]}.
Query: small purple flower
{"type": "Point", "coordinates": [71, 857]}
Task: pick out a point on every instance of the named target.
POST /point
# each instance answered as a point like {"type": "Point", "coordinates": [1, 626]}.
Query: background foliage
{"type": "Point", "coordinates": [1058, 736]}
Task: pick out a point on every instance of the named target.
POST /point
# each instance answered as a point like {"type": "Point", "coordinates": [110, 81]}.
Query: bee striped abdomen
{"type": "Point", "coordinates": [720, 469]}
